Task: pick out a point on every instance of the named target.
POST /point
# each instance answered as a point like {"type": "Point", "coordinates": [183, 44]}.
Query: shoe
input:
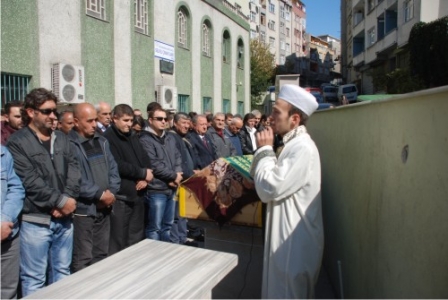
{"type": "Point", "coordinates": [199, 238]}
{"type": "Point", "coordinates": [191, 244]}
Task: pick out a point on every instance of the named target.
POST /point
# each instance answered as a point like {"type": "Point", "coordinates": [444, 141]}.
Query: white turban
{"type": "Point", "coordinates": [299, 98]}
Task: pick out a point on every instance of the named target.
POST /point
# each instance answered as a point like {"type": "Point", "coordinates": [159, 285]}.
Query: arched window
{"type": "Point", "coordinates": [240, 53]}
{"type": "Point", "coordinates": [182, 28]}
{"type": "Point", "coordinates": [206, 37]}
{"type": "Point", "coordinates": [226, 47]}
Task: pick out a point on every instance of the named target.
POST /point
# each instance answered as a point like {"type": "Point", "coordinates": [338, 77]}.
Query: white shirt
{"type": "Point", "coordinates": [252, 132]}
{"type": "Point", "coordinates": [290, 185]}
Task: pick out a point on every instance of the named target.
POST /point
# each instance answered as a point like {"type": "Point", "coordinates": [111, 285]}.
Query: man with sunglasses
{"type": "Point", "coordinates": [166, 163]}
{"type": "Point", "coordinates": [47, 166]}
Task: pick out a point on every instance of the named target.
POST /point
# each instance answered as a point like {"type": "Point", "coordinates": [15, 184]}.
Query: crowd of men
{"type": "Point", "coordinates": [86, 183]}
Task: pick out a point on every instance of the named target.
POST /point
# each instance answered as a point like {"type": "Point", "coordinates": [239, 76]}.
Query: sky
{"type": "Point", "coordinates": [323, 17]}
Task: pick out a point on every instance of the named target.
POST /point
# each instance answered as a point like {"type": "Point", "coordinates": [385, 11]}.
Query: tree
{"type": "Point", "coordinates": [262, 66]}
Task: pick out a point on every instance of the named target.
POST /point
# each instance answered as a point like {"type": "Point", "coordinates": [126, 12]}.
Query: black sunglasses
{"type": "Point", "coordinates": [47, 111]}
{"type": "Point", "coordinates": [160, 119]}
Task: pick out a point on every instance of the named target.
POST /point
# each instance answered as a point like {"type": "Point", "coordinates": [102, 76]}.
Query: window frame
{"type": "Point", "coordinates": [96, 9]}
{"type": "Point", "coordinates": [182, 29]}
{"type": "Point", "coordinates": [206, 45]}
{"type": "Point", "coordinates": [14, 87]}
{"type": "Point", "coordinates": [408, 10]}
{"type": "Point", "coordinates": [142, 18]}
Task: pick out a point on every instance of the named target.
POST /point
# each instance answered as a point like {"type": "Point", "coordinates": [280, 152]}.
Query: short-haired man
{"type": "Point", "coordinates": [104, 114]}
{"type": "Point", "coordinates": [229, 118]}
{"type": "Point", "coordinates": [201, 142]}
{"type": "Point", "coordinates": [224, 147]}
{"type": "Point", "coordinates": [127, 219]}
{"type": "Point", "coordinates": [50, 173]}
{"type": "Point", "coordinates": [258, 126]}
{"type": "Point", "coordinates": [13, 120]}
{"type": "Point", "coordinates": [66, 122]}
{"type": "Point", "coordinates": [100, 182]}
{"type": "Point", "coordinates": [232, 133]}
{"type": "Point", "coordinates": [290, 185]}
{"type": "Point", "coordinates": [189, 162]}
{"type": "Point", "coordinates": [12, 195]}
{"type": "Point", "coordinates": [166, 163]}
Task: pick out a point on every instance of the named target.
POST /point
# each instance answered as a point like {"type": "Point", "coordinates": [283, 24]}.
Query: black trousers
{"type": "Point", "coordinates": [127, 223]}
{"type": "Point", "coordinates": [90, 239]}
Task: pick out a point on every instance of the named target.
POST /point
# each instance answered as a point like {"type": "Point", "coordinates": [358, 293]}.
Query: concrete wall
{"type": "Point", "coordinates": [384, 216]}
{"type": "Point", "coordinates": [19, 39]}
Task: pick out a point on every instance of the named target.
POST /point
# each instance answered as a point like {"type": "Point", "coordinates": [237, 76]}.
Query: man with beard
{"type": "Point", "coordinates": [290, 185]}
{"type": "Point", "coordinates": [13, 120]}
{"type": "Point", "coordinates": [47, 166]}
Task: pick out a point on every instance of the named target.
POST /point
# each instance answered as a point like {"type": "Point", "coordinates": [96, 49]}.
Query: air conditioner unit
{"type": "Point", "coordinates": [167, 97]}
{"type": "Point", "coordinates": [68, 83]}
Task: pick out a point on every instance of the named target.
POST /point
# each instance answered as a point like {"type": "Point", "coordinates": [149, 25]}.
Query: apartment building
{"type": "Point", "coordinates": [189, 55]}
{"type": "Point", "coordinates": [375, 32]}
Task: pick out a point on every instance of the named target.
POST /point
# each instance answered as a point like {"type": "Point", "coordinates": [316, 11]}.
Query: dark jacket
{"type": "Point", "coordinates": [223, 146]}
{"type": "Point", "coordinates": [246, 141]}
{"type": "Point", "coordinates": [90, 193]}
{"type": "Point", "coordinates": [48, 178]}
{"type": "Point", "coordinates": [206, 155]}
{"type": "Point", "coordinates": [235, 139]}
{"type": "Point", "coordinates": [6, 131]}
{"type": "Point", "coordinates": [132, 162]}
{"type": "Point", "coordinates": [189, 155]}
{"type": "Point", "coordinates": [165, 162]}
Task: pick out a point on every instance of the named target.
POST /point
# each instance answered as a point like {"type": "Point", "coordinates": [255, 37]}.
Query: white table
{"type": "Point", "coordinates": [147, 270]}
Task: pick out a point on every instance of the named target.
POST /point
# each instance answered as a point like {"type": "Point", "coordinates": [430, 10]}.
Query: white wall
{"type": "Point", "coordinates": [122, 50]}
{"type": "Point", "coordinates": [60, 36]}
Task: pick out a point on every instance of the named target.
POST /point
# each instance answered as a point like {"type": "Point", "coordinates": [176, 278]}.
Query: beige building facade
{"type": "Point", "coordinates": [375, 32]}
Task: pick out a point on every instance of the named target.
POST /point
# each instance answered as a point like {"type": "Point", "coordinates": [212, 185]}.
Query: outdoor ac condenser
{"type": "Point", "coordinates": [167, 97]}
{"type": "Point", "coordinates": [68, 83]}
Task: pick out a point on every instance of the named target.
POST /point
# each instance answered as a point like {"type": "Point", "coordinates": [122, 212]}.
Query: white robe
{"type": "Point", "coordinates": [290, 185]}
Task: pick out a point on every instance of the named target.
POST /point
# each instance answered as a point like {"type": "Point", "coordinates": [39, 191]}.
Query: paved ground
{"type": "Point", "coordinates": [244, 282]}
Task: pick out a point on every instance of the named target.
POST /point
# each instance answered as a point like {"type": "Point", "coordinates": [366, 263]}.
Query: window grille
{"type": "Point", "coordinates": [96, 8]}
{"type": "Point", "coordinates": [207, 104]}
{"type": "Point", "coordinates": [241, 107]}
{"type": "Point", "coordinates": [183, 103]}
{"type": "Point", "coordinates": [141, 16]}
{"type": "Point", "coordinates": [14, 87]}
{"type": "Point", "coordinates": [225, 106]}
{"type": "Point", "coordinates": [182, 28]}
{"type": "Point", "coordinates": [205, 40]}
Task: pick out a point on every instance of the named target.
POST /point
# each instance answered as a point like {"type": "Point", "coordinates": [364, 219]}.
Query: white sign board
{"type": "Point", "coordinates": [163, 51]}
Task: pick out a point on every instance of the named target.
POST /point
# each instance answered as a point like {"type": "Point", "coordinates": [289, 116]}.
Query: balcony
{"type": "Point", "coordinates": [387, 42]}
{"type": "Point", "coordinates": [358, 59]}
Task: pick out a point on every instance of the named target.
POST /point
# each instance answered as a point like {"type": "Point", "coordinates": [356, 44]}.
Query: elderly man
{"type": "Point", "coordinates": [258, 126]}
{"type": "Point", "coordinates": [100, 183]}
{"type": "Point", "coordinates": [232, 133]}
{"type": "Point", "coordinates": [104, 113]}
{"type": "Point", "coordinates": [201, 142]}
{"type": "Point", "coordinates": [13, 120]}
{"type": "Point", "coordinates": [66, 122]}
{"type": "Point", "coordinates": [290, 185]}
{"type": "Point", "coordinates": [224, 147]}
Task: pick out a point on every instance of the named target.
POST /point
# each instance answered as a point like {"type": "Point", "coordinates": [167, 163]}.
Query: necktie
{"type": "Point", "coordinates": [204, 141]}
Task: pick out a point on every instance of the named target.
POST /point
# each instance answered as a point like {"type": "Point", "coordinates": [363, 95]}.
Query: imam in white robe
{"type": "Point", "coordinates": [290, 185]}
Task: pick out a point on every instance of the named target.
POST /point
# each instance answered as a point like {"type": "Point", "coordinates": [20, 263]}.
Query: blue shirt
{"type": "Point", "coordinates": [13, 192]}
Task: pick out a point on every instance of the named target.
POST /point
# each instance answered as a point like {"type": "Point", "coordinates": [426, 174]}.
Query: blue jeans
{"type": "Point", "coordinates": [160, 216]}
{"type": "Point", "coordinates": [45, 248]}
